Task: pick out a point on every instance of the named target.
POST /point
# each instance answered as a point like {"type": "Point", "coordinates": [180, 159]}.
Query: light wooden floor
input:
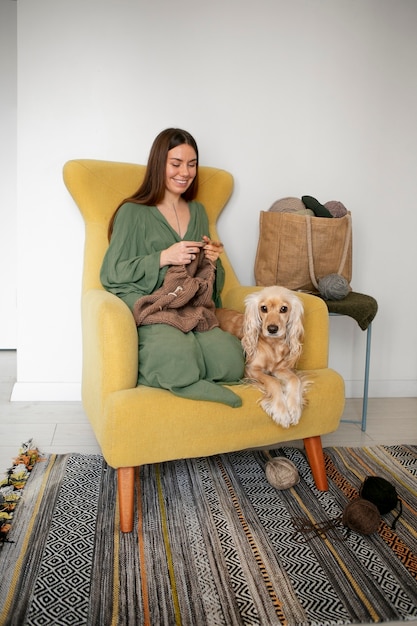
{"type": "Point", "coordinates": [63, 427]}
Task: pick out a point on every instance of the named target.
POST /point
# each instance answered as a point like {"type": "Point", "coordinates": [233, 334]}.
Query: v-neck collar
{"type": "Point", "coordinates": [163, 219]}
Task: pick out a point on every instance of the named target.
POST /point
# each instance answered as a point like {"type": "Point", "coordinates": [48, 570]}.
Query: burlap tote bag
{"type": "Point", "coordinates": [295, 251]}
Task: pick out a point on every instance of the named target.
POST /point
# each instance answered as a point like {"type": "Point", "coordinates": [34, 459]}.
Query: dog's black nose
{"type": "Point", "coordinates": [272, 329]}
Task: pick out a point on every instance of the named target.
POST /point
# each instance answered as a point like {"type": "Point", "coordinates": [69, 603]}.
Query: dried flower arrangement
{"type": "Point", "coordinates": [11, 487]}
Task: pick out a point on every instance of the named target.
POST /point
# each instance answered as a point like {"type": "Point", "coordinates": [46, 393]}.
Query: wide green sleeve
{"type": "Point", "coordinates": [218, 284]}
{"type": "Point", "coordinates": [130, 267]}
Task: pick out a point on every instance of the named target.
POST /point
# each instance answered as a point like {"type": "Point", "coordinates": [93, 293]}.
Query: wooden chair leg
{"type": "Point", "coordinates": [315, 457]}
{"type": "Point", "coordinates": [126, 492]}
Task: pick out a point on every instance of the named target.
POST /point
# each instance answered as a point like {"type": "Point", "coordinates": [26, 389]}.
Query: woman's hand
{"type": "Point", "coordinates": [212, 249]}
{"type": "Point", "coordinates": [181, 253]}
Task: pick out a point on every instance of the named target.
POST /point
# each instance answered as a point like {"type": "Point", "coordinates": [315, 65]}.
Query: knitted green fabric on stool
{"type": "Point", "coordinates": [357, 305]}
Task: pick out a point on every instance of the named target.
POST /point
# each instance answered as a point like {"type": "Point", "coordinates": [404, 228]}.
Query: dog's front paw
{"type": "Point", "coordinates": [294, 411]}
{"type": "Point", "coordinates": [295, 398]}
{"type": "Point", "coordinates": [279, 413]}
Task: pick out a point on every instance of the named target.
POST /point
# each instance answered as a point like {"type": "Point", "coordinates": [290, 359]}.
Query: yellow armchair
{"type": "Point", "coordinates": [135, 425]}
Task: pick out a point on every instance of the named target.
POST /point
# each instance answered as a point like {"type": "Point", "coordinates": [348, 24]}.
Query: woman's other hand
{"type": "Point", "coordinates": [212, 249]}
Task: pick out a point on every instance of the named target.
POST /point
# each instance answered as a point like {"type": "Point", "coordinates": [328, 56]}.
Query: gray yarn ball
{"type": "Point", "coordinates": [333, 287]}
{"type": "Point", "coordinates": [281, 473]}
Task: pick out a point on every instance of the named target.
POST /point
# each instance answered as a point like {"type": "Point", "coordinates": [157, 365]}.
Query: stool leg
{"type": "Point", "coordinates": [366, 378]}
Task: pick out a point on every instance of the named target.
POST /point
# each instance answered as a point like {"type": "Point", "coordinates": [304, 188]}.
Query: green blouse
{"type": "Point", "coordinates": [130, 267]}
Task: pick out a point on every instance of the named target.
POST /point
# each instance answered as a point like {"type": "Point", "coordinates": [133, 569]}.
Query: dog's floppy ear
{"type": "Point", "coordinates": [251, 325]}
{"type": "Point", "coordinates": [295, 328]}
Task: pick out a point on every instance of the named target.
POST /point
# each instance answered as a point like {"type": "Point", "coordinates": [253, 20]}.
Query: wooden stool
{"type": "Point", "coordinates": [363, 309]}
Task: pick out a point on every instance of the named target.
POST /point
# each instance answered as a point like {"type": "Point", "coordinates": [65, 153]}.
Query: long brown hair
{"type": "Point", "coordinates": [152, 189]}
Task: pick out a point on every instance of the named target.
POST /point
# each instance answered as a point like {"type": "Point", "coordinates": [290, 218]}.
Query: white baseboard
{"type": "Point", "coordinates": [382, 388]}
{"type": "Point", "coordinates": [71, 392]}
{"type": "Point", "coordinates": [46, 392]}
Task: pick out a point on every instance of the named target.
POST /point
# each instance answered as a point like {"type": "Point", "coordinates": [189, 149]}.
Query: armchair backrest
{"type": "Point", "coordinates": [97, 188]}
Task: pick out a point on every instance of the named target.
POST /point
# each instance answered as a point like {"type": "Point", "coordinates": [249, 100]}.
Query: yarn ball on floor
{"type": "Point", "coordinates": [281, 473]}
{"type": "Point", "coordinates": [333, 287]}
{"type": "Point", "coordinates": [361, 516]}
{"type": "Point", "coordinates": [380, 492]}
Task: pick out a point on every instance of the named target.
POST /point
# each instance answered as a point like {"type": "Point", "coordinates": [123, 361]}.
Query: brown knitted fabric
{"type": "Point", "coordinates": [184, 301]}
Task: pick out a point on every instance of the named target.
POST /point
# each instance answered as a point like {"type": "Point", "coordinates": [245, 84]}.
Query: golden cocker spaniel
{"type": "Point", "coordinates": [271, 331]}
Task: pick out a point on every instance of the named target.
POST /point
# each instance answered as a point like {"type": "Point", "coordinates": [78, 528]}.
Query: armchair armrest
{"type": "Point", "coordinates": [110, 348]}
{"type": "Point", "coordinates": [316, 325]}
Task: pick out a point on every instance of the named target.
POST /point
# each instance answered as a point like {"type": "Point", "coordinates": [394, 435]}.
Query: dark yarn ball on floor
{"type": "Point", "coordinates": [361, 516]}
{"type": "Point", "coordinates": [333, 287]}
{"type": "Point", "coordinates": [380, 492]}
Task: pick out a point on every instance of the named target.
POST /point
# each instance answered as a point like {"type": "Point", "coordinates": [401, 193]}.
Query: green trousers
{"type": "Point", "coordinates": [191, 365]}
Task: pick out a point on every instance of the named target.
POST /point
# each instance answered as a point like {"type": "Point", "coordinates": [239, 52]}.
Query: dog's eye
{"type": "Point", "coordinates": [283, 309]}
{"type": "Point", "coordinates": [264, 308]}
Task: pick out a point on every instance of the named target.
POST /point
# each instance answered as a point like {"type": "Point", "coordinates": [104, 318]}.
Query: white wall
{"type": "Point", "coordinates": [8, 239]}
{"type": "Point", "coordinates": [310, 97]}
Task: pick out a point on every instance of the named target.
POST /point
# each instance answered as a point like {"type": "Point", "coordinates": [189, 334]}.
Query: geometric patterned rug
{"type": "Point", "coordinates": [214, 543]}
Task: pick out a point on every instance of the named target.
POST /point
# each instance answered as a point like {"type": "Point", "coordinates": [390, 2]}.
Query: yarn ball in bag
{"type": "Point", "coordinates": [361, 516]}
{"type": "Point", "coordinates": [314, 205]}
{"type": "Point", "coordinates": [281, 473]}
{"type": "Point", "coordinates": [288, 205]}
{"type": "Point", "coordinates": [333, 287]}
{"type": "Point", "coordinates": [336, 208]}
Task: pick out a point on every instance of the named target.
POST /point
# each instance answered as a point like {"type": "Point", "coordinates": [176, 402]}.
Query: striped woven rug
{"type": "Point", "coordinates": [214, 543]}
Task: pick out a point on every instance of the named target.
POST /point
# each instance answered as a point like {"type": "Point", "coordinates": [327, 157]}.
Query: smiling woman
{"type": "Point", "coordinates": [162, 263]}
{"type": "Point", "coordinates": [181, 170]}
